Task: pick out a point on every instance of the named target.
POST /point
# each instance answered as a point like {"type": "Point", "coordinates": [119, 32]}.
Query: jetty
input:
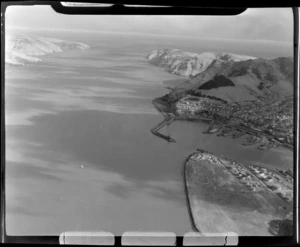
{"type": "Point", "coordinates": [155, 130]}
{"type": "Point", "coordinates": [168, 119]}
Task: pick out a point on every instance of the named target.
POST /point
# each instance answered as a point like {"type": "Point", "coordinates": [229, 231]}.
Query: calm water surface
{"type": "Point", "coordinates": [80, 154]}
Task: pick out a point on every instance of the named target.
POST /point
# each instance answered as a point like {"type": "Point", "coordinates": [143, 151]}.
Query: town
{"type": "Point", "coordinates": [267, 120]}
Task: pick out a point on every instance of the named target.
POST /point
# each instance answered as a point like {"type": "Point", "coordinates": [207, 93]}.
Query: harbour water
{"type": "Point", "coordinates": [79, 151]}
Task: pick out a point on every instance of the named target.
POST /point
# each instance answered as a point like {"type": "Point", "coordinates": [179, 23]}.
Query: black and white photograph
{"type": "Point", "coordinates": [149, 123]}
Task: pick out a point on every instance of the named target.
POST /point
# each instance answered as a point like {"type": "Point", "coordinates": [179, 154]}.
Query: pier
{"type": "Point", "coordinates": [167, 121]}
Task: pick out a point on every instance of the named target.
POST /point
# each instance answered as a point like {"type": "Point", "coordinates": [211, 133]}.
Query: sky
{"type": "Point", "coordinates": [268, 24]}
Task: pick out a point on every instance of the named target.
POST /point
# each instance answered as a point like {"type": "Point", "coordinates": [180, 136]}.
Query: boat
{"type": "Point", "coordinates": [251, 141]}
{"type": "Point", "coordinates": [238, 134]}
{"type": "Point", "coordinates": [212, 129]}
{"type": "Point", "coordinates": [267, 145]}
{"type": "Point", "coordinates": [225, 132]}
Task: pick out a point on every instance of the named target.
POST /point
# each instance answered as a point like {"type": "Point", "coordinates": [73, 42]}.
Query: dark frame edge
{"type": "Point", "coordinates": [54, 239]}
{"type": "Point", "coordinates": [120, 9]}
{"type": "Point", "coordinates": [2, 171]}
{"type": "Point", "coordinates": [296, 125]}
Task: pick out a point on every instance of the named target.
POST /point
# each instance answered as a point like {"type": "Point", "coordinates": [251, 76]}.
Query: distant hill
{"type": "Point", "coordinates": [20, 49]}
{"type": "Point", "coordinates": [189, 64]}
{"type": "Point", "coordinates": [251, 78]}
{"type": "Point", "coordinates": [231, 77]}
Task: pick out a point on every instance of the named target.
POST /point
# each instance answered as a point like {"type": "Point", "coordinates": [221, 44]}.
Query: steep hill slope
{"type": "Point", "coordinates": [228, 76]}
{"type": "Point", "coordinates": [256, 77]}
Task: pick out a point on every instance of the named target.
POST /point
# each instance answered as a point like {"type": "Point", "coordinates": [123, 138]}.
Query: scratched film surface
{"type": "Point", "coordinates": [149, 123]}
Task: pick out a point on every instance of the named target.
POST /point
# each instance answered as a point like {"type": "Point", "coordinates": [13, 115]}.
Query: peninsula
{"type": "Point", "coordinates": [227, 196]}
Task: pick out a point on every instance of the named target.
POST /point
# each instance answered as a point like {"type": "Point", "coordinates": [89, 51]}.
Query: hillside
{"type": "Point", "coordinates": [254, 78]}
{"type": "Point", "coordinates": [189, 64]}
{"type": "Point", "coordinates": [231, 77]}
{"type": "Point", "coordinates": [20, 49]}
{"type": "Point", "coordinates": [216, 82]}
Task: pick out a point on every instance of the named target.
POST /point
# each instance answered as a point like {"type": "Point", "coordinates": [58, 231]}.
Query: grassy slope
{"type": "Point", "coordinates": [252, 78]}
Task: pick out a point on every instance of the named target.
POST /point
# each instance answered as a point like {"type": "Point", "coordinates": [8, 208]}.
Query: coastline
{"type": "Point", "coordinates": [235, 216]}
{"type": "Point", "coordinates": [265, 139]}
{"type": "Point", "coordinates": [190, 212]}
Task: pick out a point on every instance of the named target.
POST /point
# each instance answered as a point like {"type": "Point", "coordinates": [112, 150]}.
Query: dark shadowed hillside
{"type": "Point", "coordinates": [231, 77]}
{"type": "Point", "coordinates": [216, 82]}
{"type": "Point", "coordinates": [252, 78]}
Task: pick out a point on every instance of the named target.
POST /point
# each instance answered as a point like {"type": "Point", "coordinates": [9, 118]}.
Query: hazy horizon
{"type": "Point", "coordinates": [273, 25]}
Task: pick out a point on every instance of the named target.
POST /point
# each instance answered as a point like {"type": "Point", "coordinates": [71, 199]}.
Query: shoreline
{"type": "Point", "coordinates": [260, 134]}
{"type": "Point", "coordinates": [190, 213]}
{"type": "Point", "coordinates": [237, 131]}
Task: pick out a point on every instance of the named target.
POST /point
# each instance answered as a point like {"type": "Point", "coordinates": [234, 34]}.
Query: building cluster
{"type": "Point", "coordinates": [237, 170]}
{"type": "Point", "coordinates": [253, 178]}
{"type": "Point", "coordinates": [280, 185]}
{"type": "Point", "coordinates": [194, 104]}
{"type": "Point", "coordinates": [244, 176]}
{"type": "Point", "coordinates": [287, 174]}
{"type": "Point", "coordinates": [199, 156]}
{"type": "Point", "coordinates": [270, 116]}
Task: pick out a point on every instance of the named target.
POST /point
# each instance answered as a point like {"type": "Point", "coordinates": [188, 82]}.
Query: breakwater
{"type": "Point", "coordinates": [168, 119]}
